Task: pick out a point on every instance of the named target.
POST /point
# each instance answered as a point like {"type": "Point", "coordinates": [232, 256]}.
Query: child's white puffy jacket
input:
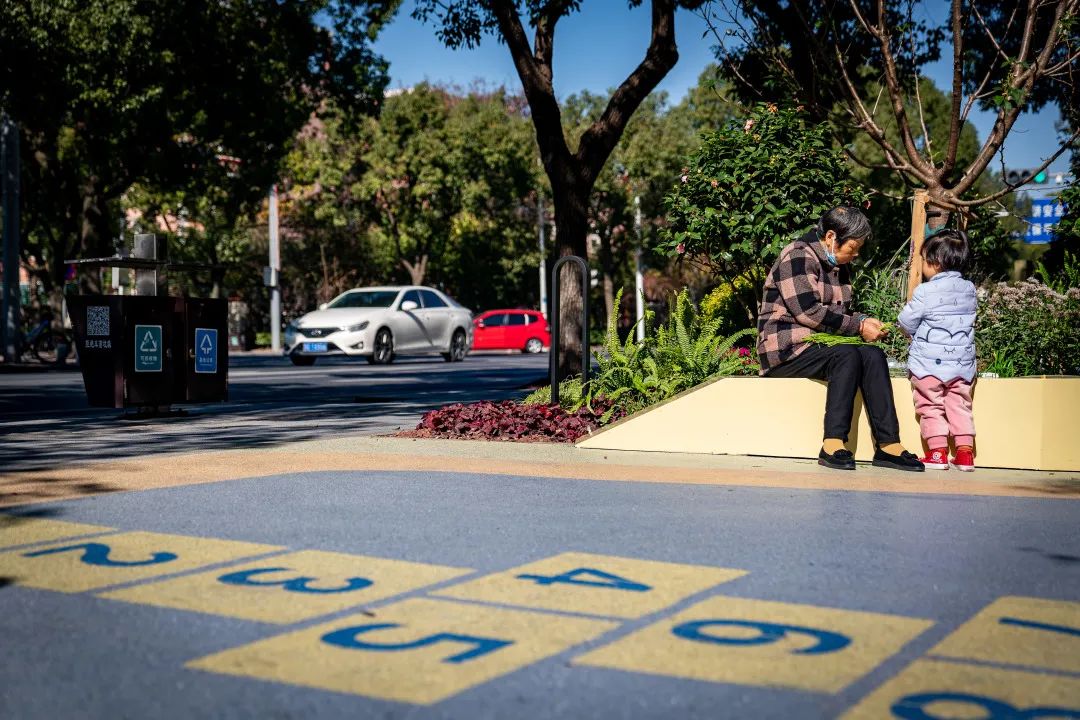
{"type": "Point", "coordinates": [940, 317]}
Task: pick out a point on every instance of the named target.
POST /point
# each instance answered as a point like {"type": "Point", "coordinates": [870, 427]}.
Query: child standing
{"type": "Point", "coordinates": [940, 318]}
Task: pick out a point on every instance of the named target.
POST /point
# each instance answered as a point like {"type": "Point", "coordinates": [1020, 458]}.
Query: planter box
{"type": "Point", "coordinates": [1023, 423]}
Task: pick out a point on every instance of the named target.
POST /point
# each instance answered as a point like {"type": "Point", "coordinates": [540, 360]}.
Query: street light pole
{"type": "Point", "coordinates": [9, 180]}
{"type": "Point", "coordinates": [543, 255]}
{"type": "Point", "coordinates": [275, 271]}
{"type": "Point", "coordinates": [639, 279]}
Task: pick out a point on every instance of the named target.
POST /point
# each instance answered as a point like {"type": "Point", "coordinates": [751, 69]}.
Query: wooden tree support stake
{"type": "Point", "coordinates": [918, 234]}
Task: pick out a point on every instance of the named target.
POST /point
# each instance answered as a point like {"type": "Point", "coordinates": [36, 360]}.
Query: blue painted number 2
{"type": "Point", "coordinates": [348, 638]}
{"type": "Point", "coordinates": [589, 577]}
{"type": "Point", "coordinates": [98, 554]}
{"type": "Point", "coordinates": [299, 584]}
{"type": "Point", "coordinates": [914, 707]}
{"type": "Point", "coordinates": [825, 641]}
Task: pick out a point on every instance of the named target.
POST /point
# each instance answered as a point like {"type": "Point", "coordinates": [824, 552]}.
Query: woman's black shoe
{"type": "Point", "coordinates": [839, 460]}
{"type": "Point", "coordinates": [904, 461]}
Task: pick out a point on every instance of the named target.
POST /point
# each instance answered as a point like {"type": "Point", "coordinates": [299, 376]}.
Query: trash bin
{"type": "Point", "coordinates": [151, 352]}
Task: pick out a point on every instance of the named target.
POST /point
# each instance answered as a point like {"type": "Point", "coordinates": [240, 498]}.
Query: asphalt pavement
{"type": "Point", "coordinates": [45, 421]}
{"type": "Point", "coordinates": [276, 558]}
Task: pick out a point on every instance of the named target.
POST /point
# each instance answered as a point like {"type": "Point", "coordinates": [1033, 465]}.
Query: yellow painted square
{"type": "Point", "coordinates": [433, 667]}
{"type": "Point", "coordinates": [637, 588]}
{"type": "Point", "coordinates": [16, 530]}
{"type": "Point", "coordinates": [1020, 631]}
{"type": "Point", "coordinates": [976, 691]}
{"type": "Point", "coordinates": [757, 642]}
{"type": "Point", "coordinates": [79, 565]}
{"type": "Point", "coordinates": [289, 588]}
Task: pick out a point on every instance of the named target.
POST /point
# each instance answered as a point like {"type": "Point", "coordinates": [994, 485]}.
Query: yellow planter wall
{"type": "Point", "coordinates": [1023, 423]}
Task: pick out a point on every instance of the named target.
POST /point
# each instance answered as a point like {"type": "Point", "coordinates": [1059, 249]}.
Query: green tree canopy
{"type": "Point", "coordinates": [190, 94]}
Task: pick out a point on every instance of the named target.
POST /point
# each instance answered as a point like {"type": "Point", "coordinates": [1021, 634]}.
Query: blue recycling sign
{"type": "Point", "coordinates": [1042, 223]}
{"type": "Point", "coordinates": [148, 348]}
{"type": "Point", "coordinates": [206, 345]}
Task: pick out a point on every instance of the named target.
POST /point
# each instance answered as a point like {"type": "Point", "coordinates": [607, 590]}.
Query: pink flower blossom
{"type": "Point", "coordinates": [749, 124]}
{"type": "Point", "coordinates": [680, 248]}
{"type": "Point", "coordinates": [685, 178]}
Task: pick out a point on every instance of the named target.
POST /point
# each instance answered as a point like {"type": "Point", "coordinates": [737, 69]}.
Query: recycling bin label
{"type": "Point", "coordinates": [148, 348]}
{"type": "Point", "coordinates": [206, 345]}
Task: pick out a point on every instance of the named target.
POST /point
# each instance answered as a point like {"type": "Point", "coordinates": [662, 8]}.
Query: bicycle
{"type": "Point", "coordinates": [46, 345]}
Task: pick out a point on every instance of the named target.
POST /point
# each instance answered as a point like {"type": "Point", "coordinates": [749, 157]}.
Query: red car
{"type": "Point", "coordinates": [524, 330]}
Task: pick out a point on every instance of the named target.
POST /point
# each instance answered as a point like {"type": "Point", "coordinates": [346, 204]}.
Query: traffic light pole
{"type": "Point", "coordinates": [275, 274]}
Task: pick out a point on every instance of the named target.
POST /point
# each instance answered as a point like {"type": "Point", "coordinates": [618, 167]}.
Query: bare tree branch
{"type": "Point", "coordinates": [1012, 188]}
{"type": "Point", "coordinates": [957, 88]}
{"type": "Point", "coordinates": [600, 139]}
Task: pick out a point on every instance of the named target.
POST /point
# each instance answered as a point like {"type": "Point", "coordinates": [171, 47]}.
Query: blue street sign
{"type": "Point", "coordinates": [1042, 223]}
{"type": "Point", "coordinates": [205, 350]}
{"type": "Point", "coordinates": [148, 348]}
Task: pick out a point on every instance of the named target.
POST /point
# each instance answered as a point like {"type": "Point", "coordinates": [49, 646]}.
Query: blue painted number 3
{"type": "Point", "coordinates": [589, 577]}
{"type": "Point", "coordinates": [298, 584]}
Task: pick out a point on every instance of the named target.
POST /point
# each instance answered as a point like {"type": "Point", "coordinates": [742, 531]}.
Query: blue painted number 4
{"type": "Point", "coordinates": [589, 577]}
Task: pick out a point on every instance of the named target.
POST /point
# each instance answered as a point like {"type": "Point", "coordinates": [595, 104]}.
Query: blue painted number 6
{"type": "Point", "coordinates": [913, 707]}
{"type": "Point", "coordinates": [299, 584]}
{"type": "Point", "coordinates": [600, 579]}
{"type": "Point", "coordinates": [98, 554]}
{"type": "Point", "coordinates": [347, 638]}
{"type": "Point", "coordinates": [827, 642]}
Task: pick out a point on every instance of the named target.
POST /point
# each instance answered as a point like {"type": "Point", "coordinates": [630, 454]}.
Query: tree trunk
{"type": "Point", "coordinates": [571, 223]}
{"type": "Point", "coordinates": [94, 233]}
{"type": "Point", "coordinates": [416, 270]}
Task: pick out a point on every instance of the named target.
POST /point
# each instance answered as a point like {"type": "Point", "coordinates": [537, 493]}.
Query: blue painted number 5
{"type": "Point", "coordinates": [348, 638]}
{"type": "Point", "coordinates": [98, 554]}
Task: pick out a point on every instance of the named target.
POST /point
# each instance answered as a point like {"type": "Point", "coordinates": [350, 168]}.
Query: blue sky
{"type": "Point", "coordinates": [598, 47]}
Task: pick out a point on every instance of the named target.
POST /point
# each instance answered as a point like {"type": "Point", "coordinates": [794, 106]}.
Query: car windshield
{"type": "Point", "coordinates": [366, 299]}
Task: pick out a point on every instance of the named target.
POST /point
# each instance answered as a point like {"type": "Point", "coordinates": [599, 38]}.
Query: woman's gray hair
{"type": "Point", "coordinates": [847, 222]}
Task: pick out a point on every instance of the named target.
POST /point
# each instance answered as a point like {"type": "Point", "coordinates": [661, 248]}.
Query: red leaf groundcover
{"type": "Point", "coordinates": [508, 420]}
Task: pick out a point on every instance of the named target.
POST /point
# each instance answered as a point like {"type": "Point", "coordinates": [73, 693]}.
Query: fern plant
{"type": "Point", "coordinates": [686, 352]}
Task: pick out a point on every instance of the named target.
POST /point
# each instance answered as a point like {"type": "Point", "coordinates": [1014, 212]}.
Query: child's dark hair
{"type": "Point", "coordinates": [948, 250]}
{"type": "Point", "coordinates": [847, 222]}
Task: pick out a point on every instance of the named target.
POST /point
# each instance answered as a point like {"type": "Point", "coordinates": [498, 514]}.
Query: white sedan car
{"type": "Point", "coordinates": [379, 323]}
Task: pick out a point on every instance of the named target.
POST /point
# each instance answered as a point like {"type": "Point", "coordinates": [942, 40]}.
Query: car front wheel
{"type": "Point", "coordinates": [383, 353]}
{"type": "Point", "coordinates": [457, 348]}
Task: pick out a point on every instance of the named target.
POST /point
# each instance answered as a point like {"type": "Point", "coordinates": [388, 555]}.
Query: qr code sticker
{"type": "Point", "coordinates": [97, 320]}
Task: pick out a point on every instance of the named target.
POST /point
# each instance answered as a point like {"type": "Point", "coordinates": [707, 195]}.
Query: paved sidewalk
{"type": "Point", "coordinates": [363, 452]}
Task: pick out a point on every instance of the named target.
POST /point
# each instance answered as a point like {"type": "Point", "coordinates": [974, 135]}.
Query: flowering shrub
{"type": "Point", "coordinates": [1027, 328]}
{"type": "Point", "coordinates": [751, 188]}
{"type": "Point", "coordinates": [509, 420]}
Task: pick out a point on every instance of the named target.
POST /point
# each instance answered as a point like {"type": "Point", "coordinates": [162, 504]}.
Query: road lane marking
{"type": "Point", "coordinates": [762, 643]}
{"type": "Point", "coordinates": [1028, 631]}
{"type": "Point", "coordinates": [15, 530]}
{"type": "Point", "coordinates": [289, 588]}
{"type": "Point", "coordinates": [602, 585]}
{"type": "Point", "coordinates": [80, 565]}
{"type": "Point", "coordinates": [418, 651]}
{"type": "Point", "coordinates": [932, 690]}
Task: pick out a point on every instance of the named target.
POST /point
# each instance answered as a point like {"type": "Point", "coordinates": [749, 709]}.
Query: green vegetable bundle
{"type": "Point", "coordinates": [829, 340]}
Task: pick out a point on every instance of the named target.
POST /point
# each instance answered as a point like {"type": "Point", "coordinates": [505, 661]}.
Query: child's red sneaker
{"type": "Point", "coordinates": [964, 460]}
{"type": "Point", "coordinates": [936, 460]}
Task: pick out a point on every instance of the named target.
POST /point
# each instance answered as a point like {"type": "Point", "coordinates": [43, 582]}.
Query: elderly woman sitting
{"type": "Point", "coordinates": [808, 290]}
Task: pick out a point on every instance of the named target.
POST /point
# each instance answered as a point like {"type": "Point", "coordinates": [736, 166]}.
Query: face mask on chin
{"type": "Point", "coordinates": [831, 256]}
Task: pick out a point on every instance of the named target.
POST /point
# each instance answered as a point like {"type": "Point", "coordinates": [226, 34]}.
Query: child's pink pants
{"type": "Point", "coordinates": [944, 409]}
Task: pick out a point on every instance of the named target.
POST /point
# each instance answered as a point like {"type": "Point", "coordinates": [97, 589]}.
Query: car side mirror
{"type": "Point", "coordinates": [324, 306]}
{"type": "Point", "coordinates": [480, 323]}
{"type": "Point", "coordinates": [408, 306]}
